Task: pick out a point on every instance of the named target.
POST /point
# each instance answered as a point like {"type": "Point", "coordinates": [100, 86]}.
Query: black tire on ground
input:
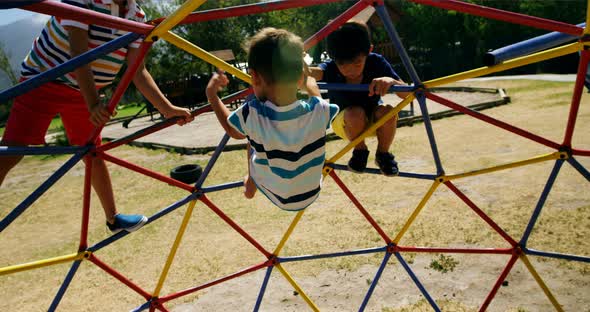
{"type": "Point", "coordinates": [186, 173]}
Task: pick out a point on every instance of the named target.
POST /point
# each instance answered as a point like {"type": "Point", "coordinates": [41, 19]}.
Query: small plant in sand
{"type": "Point", "coordinates": [444, 264]}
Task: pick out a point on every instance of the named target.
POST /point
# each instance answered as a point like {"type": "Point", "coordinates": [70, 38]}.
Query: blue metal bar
{"type": "Point", "coordinates": [527, 47]}
{"type": "Point", "coordinates": [42, 150]}
{"type": "Point", "coordinates": [263, 288]}
{"type": "Point", "coordinates": [16, 3]}
{"type": "Point", "coordinates": [212, 161]}
{"type": "Point", "coordinates": [426, 117]}
{"type": "Point", "coordinates": [556, 255]}
{"type": "Point", "coordinates": [64, 285]}
{"type": "Point", "coordinates": [146, 305]}
{"type": "Point", "coordinates": [416, 281]}
{"type": "Point", "coordinates": [541, 202]}
{"type": "Point", "coordinates": [151, 219]}
{"type": "Point", "coordinates": [375, 281]}
{"type": "Point", "coordinates": [332, 255]}
{"type": "Point", "coordinates": [361, 87]}
{"type": "Point", "coordinates": [377, 171]}
{"type": "Point", "coordinates": [579, 167]}
{"type": "Point", "coordinates": [40, 191]}
{"type": "Point", "coordinates": [222, 187]}
{"type": "Point", "coordinates": [382, 12]}
{"type": "Point", "coordinates": [68, 66]}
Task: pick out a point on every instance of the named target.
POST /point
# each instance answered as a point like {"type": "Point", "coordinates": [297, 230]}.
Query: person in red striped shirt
{"type": "Point", "coordinates": [74, 96]}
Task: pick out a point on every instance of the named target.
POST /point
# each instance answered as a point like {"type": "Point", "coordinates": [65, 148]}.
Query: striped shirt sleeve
{"type": "Point", "coordinates": [237, 119]}
{"type": "Point", "coordinates": [81, 4]}
{"type": "Point", "coordinates": [330, 110]}
{"type": "Point", "coordinates": [138, 16]}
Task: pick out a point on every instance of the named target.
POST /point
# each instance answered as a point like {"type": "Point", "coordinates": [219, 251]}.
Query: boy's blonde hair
{"type": "Point", "coordinates": [276, 55]}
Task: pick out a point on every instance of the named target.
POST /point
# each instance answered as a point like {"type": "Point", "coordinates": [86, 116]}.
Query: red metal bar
{"type": "Point", "coordinates": [506, 16]}
{"type": "Point", "coordinates": [212, 283]}
{"type": "Point", "coordinates": [581, 152]}
{"type": "Point", "coordinates": [152, 308]}
{"type": "Point", "coordinates": [360, 207]}
{"type": "Point", "coordinates": [161, 307]}
{"type": "Point", "coordinates": [144, 171]}
{"type": "Point", "coordinates": [578, 89]}
{"type": "Point", "coordinates": [86, 204]}
{"type": "Point", "coordinates": [499, 282]}
{"type": "Point", "coordinates": [507, 251]}
{"type": "Point", "coordinates": [169, 122]}
{"type": "Point", "coordinates": [123, 84]}
{"type": "Point", "coordinates": [335, 23]}
{"type": "Point", "coordinates": [119, 276]}
{"type": "Point", "coordinates": [481, 214]}
{"type": "Point", "coordinates": [492, 121]}
{"type": "Point", "coordinates": [247, 9]}
{"type": "Point", "coordinates": [56, 8]}
{"type": "Point", "coordinates": [236, 227]}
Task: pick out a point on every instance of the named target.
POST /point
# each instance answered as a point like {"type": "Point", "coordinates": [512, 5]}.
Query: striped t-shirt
{"type": "Point", "coordinates": [52, 47]}
{"type": "Point", "coordinates": [288, 144]}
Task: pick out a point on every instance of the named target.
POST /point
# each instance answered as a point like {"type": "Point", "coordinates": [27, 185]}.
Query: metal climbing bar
{"type": "Point", "coordinates": [417, 281]}
{"type": "Point", "coordinates": [86, 204]}
{"type": "Point", "coordinates": [375, 281]}
{"type": "Point", "coordinates": [119, 277]}
{"type": "Point", "coordinates": [507, 251]}
{"type": "Point", "coordinates": [288, 233]}
{"type": "Point", "coordinates": [27, 202]}
{"type": "Point", "coordinates": [172, 20]}
{"type": "Point", "coordinates": [541, 202]}
{"type": "Point", "coordinates": [45, 150]}
{"type": "Point", "coordinates": [221, 187]}
{"type": "Point", "coordinates": [577, 96]}
{"type": "Point", "coordinates": [68, 66]}
{"type": "Point", "coordinates": [185, 292]}
{"type": "Point", "coordinates": [430, 133]}
{"type": "Point", "coordinates": [498, 283]}
{"type": "Point", "coordinates": [378, 172]}
{"type": "Point", "coordinates": [212, 160]}
{"type": "Point", "coordinates": [64, 285]}
{"type": "Point", "coordinates": [493, 121]}
{"type": "Point", "coordinates": [332, 255]}
{"type": "Point", "coordinates": [579, 167]}
{"type": "Point", "coordinates": [263, 288]}
{"type": "Point", "coordinates": [291, 281]}
{"type": "Point", "coordinates": [146, 172]}
{"type": "Point", "coordinates": [516, 164]}
{"type": "Point", "coordinates": [41, 263]}
{"type": "Point", "coordinates": [557, 255]}
{"type": "Point", "coordinates": [481, 214]}
{"type": "Point", "coordinates": [360, 207]}
{"type": "Point", "coordinates": [517, 62]}
{"type": "Point", "coordinates": [175, 245]}
{"type": "Point", "coordinates": [361, 87]}
{"type": "Point", "coordinates": [416, 211]}
{"type": "Point", "coordinates": [502, 15]}
{"type": "Point", "coordinates": [540, 281]}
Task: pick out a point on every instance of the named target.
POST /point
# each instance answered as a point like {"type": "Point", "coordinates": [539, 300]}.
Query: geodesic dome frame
{"type": "Point", "coordinates": [516, 248]}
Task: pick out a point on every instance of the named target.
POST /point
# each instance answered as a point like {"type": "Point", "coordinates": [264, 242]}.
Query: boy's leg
{"type": "Point", "coordinates": [355, 122]}
{"type": "Point", "coordinates": [29, 118]}
{"type": "Point", "coordinates": [76, 119]}
{"type": "Point", "coordinates": [249, 185]}
{"type": "Point", "coordinates": [385, 135]}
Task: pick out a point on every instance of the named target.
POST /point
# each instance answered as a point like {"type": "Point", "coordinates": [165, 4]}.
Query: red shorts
{"type": "Point", "coordinates": [33, 111]}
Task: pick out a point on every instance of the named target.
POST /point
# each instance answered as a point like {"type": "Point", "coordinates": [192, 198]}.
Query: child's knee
{"type": "Point", "coordinates": [355, 117]}
{"type": "Point", "coordinates": [383, 110]}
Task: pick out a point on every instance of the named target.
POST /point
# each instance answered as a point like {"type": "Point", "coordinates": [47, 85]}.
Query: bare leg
{"type": "Point", "coordinates": [385, 133]}
{"type": "Point", "coordinates": [355, 122]}
{"type": "Point", "coordinates": [6, 164]}
{"type": "Point", "coordinates": [101, 182]}
{"type": "Point", "coordinates": [249, 185]}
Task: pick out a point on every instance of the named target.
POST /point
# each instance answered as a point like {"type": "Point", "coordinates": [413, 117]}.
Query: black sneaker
{"type": "Point", "coordinates": [358, 161]}
{"type": "Point", "coordinates": [386, 163]}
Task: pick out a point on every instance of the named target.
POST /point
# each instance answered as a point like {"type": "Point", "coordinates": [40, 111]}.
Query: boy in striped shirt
{"type": "Point", "coordinates": [74, 96]}
{"type": "Point", "coordinates": [287, 136]}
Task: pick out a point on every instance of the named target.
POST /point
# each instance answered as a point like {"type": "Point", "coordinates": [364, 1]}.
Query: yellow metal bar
{"type": "Point", "coordinates": [179, 235]}
{"type": "Point", "coordinates": [288, 233]}
{"type": "Point", "coordinates": [521, 61]}
{"type": "Point", "coordinates": [173, 20]}
{"type": "Point", "coordinates": [587, 28]}
{"type": "Point", "coordinates": [416, 212]}
{"type": "Point", "coordinates": [372, 128]}
{"type": "Point", "coordinates": [41, 263]}
{"type": "Point", "coordinates": [546, 290]}
{"type": "Point", "coordinates": [297, 288]}
{"type": "Point", "coordinates": [205, 56]}
{"type": "Point", "coordinates": [533, 160]}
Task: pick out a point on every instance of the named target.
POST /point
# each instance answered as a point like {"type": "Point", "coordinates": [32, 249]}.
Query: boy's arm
{"type": "Point", "coordinates": [217, 82]}
{"type": "Point", "coordinates": [147, 86]}
{"type": "Point", "coordinates": [316, 73]}
{"type": "Point", "coordinates": [311, 86]}
{"type": "Point", "coordinates": [381, 86]}
{"type": "Point", "coordinates": [78, 40]}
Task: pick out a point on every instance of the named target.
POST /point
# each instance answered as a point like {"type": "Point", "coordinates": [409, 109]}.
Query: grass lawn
{"type": "Point", "coordinates": [56, 123]}
{"type": "Point", "coordinates": [210, 249]}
